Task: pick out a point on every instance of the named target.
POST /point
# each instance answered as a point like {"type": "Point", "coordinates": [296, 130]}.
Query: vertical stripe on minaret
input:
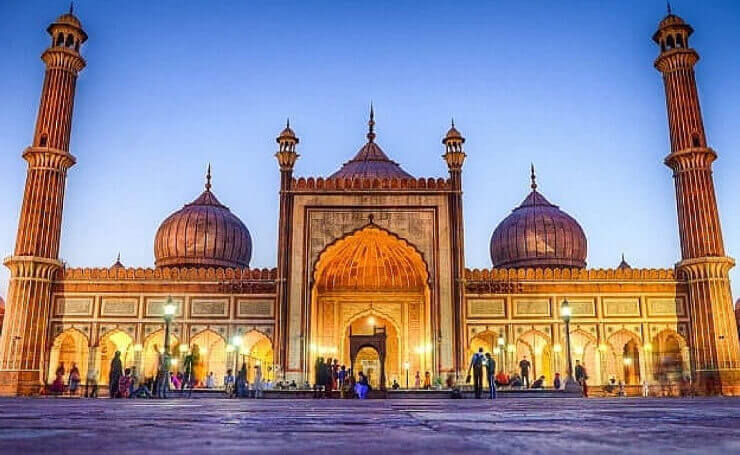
{"type": "Point", "coordinates": [35, 261]}
{"type": "Point", "coordinates": [713, 332]}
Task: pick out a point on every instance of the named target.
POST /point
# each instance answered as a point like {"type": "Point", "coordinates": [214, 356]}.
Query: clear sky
{"type": "Point", "coordinates": [172, 85]}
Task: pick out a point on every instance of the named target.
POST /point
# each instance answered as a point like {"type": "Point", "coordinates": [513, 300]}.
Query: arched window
{"type": "Point", "coordinates": [60, 39]}
{"type": "Point", "coordinates": [43, 140]}
{"type": "Point", "coordinates": [662, 45]}
{"type": "Point", "coordinates": [70, 41]}
{"type": "Point", "coordinates": [77, 46]}
{"type": "Point", "coordinates": [695, 140]}
{"type": "Point", "coordinates": [669, 42]}
{"type": "Point", "coordinates": [679, 40]}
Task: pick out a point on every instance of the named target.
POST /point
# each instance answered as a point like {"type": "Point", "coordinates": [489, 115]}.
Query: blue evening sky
{"type": "Point", "coordinates": [173, 85]}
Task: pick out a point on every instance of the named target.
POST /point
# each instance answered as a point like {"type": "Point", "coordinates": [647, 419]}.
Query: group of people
{"type": "Point", "coordinates": [73, 381]}
{"type": "Point", "coordinates": [238, 386]}
{"type": "Point", "coordinates": [520, 379]}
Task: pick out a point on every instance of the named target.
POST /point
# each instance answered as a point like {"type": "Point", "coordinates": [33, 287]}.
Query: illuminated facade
{"type": "Point", "coordinates": [371, 245]}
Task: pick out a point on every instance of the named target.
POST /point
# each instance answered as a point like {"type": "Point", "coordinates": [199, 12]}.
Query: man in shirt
{"type": "Point", "coordinates": [524, 370]}
{"type": "Point", "coordinates": [476, 364]}
{"type": "Point", "coordinates": [490, 375]}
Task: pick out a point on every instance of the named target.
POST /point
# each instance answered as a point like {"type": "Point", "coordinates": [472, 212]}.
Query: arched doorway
{"type": "Point", "coordinates": [257, 350]}
{"type": "Point", "coordinates": [153, 347]}
{"type": "Point", "coordinates": [115, 340]}
{"type": "Point", "coordinates": [69, 348]}
{"type": "Point", "coordinates": [372, 277]}
{"type": "Point", "coordinates": [366, 325]}
{"type": "Point", "coordinates": [631, 362]}
{"type": "Point", "coordinates": [368, 362]}
{"type": "Point", "coordinates": [668, 357]}
{"type": "Point", "coordinates": [209, 351]}
{"type": "Point", "coordinates": [535, 345]}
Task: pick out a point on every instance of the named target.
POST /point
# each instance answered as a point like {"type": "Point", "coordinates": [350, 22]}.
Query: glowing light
{"type": "Point", "coordinates": [236, 340]}
{"type": "Point", "coordinates": [557, 348]}
{"type": "Point", "coordinates": [511, 348]}
{"type": "Point", "coordinates": [419, 350]}
{"type": "Point", "coordinates": [627, 361]}
{"type": "Point", "coordinates": [229, 348]}
{"type": "Point", "coordinates": [138, 347]}
{"type": "Point", "coordinates": [648, 346]}
{"type": "Point", "coordinates": [578, 350]}
{"type": "Point", "coordinates": [496, 350]}
{"type": "Point", "coordinates": [602, 347]}
{"type": "Point", "coordinates": [501, 341]}
{"type": "Point", "coordinates": [169, 307]}
{"type": "Point", "coordinates": [371, 320]}
{"type": "Point", "coordinates": [183, 348]}
{"type": "Point", "coordinates": [565, 311]}
{"type": "Point", "coordinates": [173, 362]}
{"type": "Point", "coordinates": [203, 350]}
{"type": "Point", "coordinates": [406, 365]}
{"type": "Point", "coordinates": [538, 351]}
{"type": "Point", "coordinates": [313, 347]}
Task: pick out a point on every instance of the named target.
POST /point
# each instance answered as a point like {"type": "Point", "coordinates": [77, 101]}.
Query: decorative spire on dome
{"type": "Point", "coordinates": [533, 177]}
{"type": "Point", "coordinates": [118, 264]}
{"type": "Point", "coordinates": [71, 7]}
{"type": "Point", "coordinates": [286, 154]}
{"type": "Point", "coordinates": [624, 265]}
{"type": "Point", "coordinates": [370, 161]}
{"type": "Point", "coordinates": [454, 153]}
{"type": "Point", "coordinates": [371, 124]}
{"type": "Point", "coordinates": [208, 178]}
{"type": "Point", "coordinates": [668, 4]}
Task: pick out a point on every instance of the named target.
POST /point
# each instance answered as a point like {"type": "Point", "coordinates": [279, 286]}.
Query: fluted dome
{"type": "Point", "coordinates": [370, 161]}
{"type": "Point", "coordinates": [538, 234]}
{"type": "Point", "coordinates": [69, 19]}
{"type": "Point", "coordinates": [203, 233]}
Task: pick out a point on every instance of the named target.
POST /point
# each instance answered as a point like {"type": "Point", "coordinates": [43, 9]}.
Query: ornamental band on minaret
{"type": "Point", "coordinates": [36, 259]}
{"type": "Point", "coordinates": [714, 337]}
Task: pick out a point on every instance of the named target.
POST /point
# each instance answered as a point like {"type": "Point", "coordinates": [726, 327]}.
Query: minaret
{"type": "Point", "coordinates": [454, 156]}
{"type": "Point", "coordinates": [36, 258]}
{"type": "Point", "coordinates": [286, 156]}
{"type": "Point", "coordinates": [713, 332]}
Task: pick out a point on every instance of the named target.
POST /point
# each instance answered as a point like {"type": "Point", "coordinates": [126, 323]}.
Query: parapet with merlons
{"type": "Point", "coordinates": [320, 184]}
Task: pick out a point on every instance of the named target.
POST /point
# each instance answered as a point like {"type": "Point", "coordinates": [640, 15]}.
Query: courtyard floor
{"type": "Point", "coordinates": [510, 426]}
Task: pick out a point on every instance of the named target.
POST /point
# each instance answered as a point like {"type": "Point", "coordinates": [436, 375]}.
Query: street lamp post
{"type": "Point", "coordinates": [501, 343]}
{"type": "Point", "coordinates": [236, 341]}
{"type": "Point", "coordinates": [168, 313]}
{"type": "Point", "coordinates": [570, 382]}
{"type": "Point", "coordinates": [406, 366]}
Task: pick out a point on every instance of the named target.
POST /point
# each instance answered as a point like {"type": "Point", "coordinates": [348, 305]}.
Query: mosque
{"type": "Point", "coordinates": [371, 250]}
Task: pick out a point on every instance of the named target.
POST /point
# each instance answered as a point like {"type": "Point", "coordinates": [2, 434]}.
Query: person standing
{"type": "Point", "coordinates": [74, 379]}
{"type": "Point", "coordinates": [257, 381]}
{"type": "Point", "coordinates": [524, 370]}
{"type": "Point", "coordinates": [581, 377]}
{"type": "Point", "coordinates": [91, 384]}
{"type": "Point", "coordinates": [490, 375]}
{"type": "Point", "coordinates": [427, 380]}
{"type": "Point", "coordinates": [229, 384]}
{"type": "Point", "coordinates": [210, 382]}
{"type": "Point", "coordinates": [417, 381]}
{"type": "Point", "coordinates": [57, 387]}
{"type": "Point", "coordinates": [476, 365]}
{"type": "Point", "coordinates": [114, 377]}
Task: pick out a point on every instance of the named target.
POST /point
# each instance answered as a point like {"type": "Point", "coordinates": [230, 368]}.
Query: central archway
{"type": "Point", "coordinates": [371, 277]}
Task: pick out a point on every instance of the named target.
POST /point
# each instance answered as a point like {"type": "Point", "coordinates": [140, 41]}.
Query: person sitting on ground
{"type": "Point", "coordinates": [362, 387]}
{"type": "Point", "coordinates": [395, 385]}
{"type": "Point", "coordinates": [515, 380]}
{"type": "Point", "coordinates": [539, 383]}
{"type": "Point", "coordinates": [175, 381]}
{"type": "Point", "coordinates": [293, 385]}
{"type": "Point", "coordinates": [557, 383]}
{"type": "Point", "coordinates": [502, 379]}
{"type": "Point", "coordinates": [210, 381]}
{"type": "Point", "coordinates": [58, 385]}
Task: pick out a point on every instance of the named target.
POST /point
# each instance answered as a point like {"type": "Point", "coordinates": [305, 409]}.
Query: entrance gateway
{"type": "Point", "coordinates": [375, 341]}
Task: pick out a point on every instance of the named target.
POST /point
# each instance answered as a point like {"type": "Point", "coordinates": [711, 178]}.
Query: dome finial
{"type": "Point", "coordinates": [669, 8]}
{"type": "Point", "coordinates": [208, 178]}
{"type": "Point", "coordinates": [71, 7]}
{"type": "Point", "coordinates": [287, 123]}
{"type": "Point", "coordinates": [371, 124]}
{"type": "Point", "coordinates": [452, 122]}
{"type": "Point", "coordinates": [533, 177]}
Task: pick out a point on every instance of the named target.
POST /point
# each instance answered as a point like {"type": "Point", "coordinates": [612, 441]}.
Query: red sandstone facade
{"type": "Point", "coordinates": [373, 244]}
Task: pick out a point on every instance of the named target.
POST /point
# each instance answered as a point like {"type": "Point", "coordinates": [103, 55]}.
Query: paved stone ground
{"type": "Point", "coordinates": [512, 426]}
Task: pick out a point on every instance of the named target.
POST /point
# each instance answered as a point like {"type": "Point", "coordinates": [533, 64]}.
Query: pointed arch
{"type": "Point", "coordinates": [69, 347]}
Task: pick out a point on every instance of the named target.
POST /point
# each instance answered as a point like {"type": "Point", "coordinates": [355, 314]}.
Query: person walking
{"type": "Point", "coordinates": [491, 375]}
{"type": "Point", "coordinates": [74, 379]}
{"type": "Point", "coordinates": [114, 377]}
{"type": "Point", "coordinates": [646, 388]}
{"type": "Point", "coordinates": [229, 384]}
{"type": "Point", "coordinates": [476, 365]}
{"type": "Point", "coordinates": [524, 371]}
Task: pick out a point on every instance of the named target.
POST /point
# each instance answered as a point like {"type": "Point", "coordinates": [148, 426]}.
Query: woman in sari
{"type": "Point", "coordinates": [58, 385]}
{"type": "Point", "coordinates": [116, 371]}
{"type": "Point", "coordinates": [74, 379]}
